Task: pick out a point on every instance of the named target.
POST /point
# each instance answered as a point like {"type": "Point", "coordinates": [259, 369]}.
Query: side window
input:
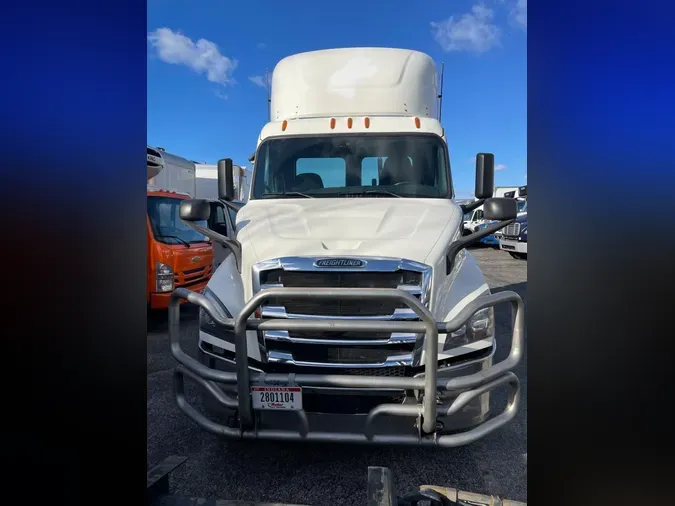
{"type": "Point", "coordinates": [220, 216]}
{"type": "Point", "coordinates": [323, 172]}
{"type": "Point", "coordinates": [219, 221]}
{"type": "Point", "coordinates": [479, 215]}
{"type": "Point", "coordinates": [233, 216]}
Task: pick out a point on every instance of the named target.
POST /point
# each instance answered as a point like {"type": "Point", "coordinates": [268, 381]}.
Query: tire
{"type": "Point", "coordinates": [518, 256]}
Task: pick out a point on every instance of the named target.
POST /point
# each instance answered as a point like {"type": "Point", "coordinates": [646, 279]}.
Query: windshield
{"type": "Point", "coordinates": [167, 227]}
{"type": "Point", "coordinates": [467, 216]}
{"type": "Point", "coordinates": [522, 206]}
{"type": "Point", "coordinates": [411, 165]}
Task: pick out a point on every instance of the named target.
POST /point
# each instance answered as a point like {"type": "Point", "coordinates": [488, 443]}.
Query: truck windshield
{"type": "Point", "coordinates": [522, 206]}
{"type": "Point", "coordinates": [167, 227]}
{"type": "Point", "coordinates": [383, 166]}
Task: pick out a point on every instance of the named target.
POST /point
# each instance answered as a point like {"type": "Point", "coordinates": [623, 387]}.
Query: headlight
{"type": "Point", "coordinates": [524, 232]}
{"type": "Point", "coordinates": [480, 326]}
{"type": "Point", "coordinates": [164, 277]}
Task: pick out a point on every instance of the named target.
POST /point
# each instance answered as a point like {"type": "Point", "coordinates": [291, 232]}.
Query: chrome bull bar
{"type": "Point", "coordinates": [468, 387]}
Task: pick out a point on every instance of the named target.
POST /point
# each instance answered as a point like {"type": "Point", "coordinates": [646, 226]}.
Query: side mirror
{"type": "Point", "coordinates": [195, 210]}
{"type": "Point", "coordinates": [485, 175]}
{"type": "Point", "coordinates": [225, 180]}
{"type": "Point", "coordinates": [500, 209]}
{"type": "Point", "coordinates": [522, 191]}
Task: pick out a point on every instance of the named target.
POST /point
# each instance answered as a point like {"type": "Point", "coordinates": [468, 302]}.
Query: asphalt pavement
{"type": "Point", "coordinates": [317, 474]}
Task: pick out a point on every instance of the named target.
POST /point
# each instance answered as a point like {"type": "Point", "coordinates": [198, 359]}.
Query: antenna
{"type": "Point", "coordinates": [440, 95]}
{"type": "Point", "coordinates": [269, 98]}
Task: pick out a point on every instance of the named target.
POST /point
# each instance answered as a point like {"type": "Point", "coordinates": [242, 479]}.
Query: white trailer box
{"type": "Point", "coordinates": [177, 174]}
{"type": "Point", "coordinates": [207, 182]}
{"type": "Point", "coordinates": [500, 191]}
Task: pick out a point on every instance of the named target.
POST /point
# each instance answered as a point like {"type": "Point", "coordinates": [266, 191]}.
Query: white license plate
{"type": "Point", "coordinates": [508, 246]}
{"type": "Point", "coordinates": [277, 398]}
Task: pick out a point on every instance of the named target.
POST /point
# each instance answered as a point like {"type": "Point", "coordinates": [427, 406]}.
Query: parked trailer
{"type": "Point", "coordinates": [207, 182]}
{"type": "Point", "coordinates": [349, 309]}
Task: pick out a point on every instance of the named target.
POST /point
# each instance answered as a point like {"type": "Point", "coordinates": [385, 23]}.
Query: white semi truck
{"type": "Point", "coordinates": [348, 309]}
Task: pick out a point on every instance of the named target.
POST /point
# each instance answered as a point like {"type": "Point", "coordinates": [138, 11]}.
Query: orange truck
{"type": "Point", "coordinates": [178, 256]}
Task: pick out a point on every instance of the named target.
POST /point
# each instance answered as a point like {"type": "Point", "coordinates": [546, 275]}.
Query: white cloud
{"type": "Point", "coordinates": [474, 31]}
{"type": "Point", "coordinates": [202, 56]}
{"type": "Point", "coordinates": [259, 81]}
{"type": "Point", "coordinates": [519, 14]}
{"type": "Point", "coordinates": [221, 95]}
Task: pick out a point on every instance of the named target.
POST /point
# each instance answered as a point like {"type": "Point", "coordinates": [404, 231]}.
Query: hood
{"type": "Point", "coordinates": [522, 218]}
{"type": "Point", "coordinates": [385, 227]}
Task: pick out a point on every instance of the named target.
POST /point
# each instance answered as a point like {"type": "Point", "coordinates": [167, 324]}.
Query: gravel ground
{"type": "Point", "coordinates": [316, 474]}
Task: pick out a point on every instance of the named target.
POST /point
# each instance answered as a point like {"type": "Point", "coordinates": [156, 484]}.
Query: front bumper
{"type": "Point", "coordinates": [513, 246]}
{"type": "Point", "coordinates": [436, 400]}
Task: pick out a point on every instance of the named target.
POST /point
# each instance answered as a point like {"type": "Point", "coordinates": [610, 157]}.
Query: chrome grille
{"type": "Point", "coordinates": [366, 353]}
{"type": "Point", "coordinates": [313, 279]}
{"type": "Point", "coordinates": [512, 230]}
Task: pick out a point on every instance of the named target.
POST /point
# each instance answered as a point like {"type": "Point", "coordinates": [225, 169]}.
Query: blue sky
{"type": "Point", "coordinates": [207, 61]}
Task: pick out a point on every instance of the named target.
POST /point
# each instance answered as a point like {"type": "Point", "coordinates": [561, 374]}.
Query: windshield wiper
{"type": "Point", "coordinates": [176, 237]}
{"type": "Point", "coordinates": [289, 194]}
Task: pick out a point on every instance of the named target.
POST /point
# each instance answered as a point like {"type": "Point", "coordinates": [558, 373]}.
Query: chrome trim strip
{"type": "Point", "coordinates": [280, 312]}
{"type": "Point", "coordinates": [267, 286]}
{"type": "Point", "coordinates": [373, 264]}
{"type": "Point", "coordinates": [279, 357]}
{"type": "Point", "coordinates": [396, 338]}
{"type": "Point", "coordinates": [411, 289]}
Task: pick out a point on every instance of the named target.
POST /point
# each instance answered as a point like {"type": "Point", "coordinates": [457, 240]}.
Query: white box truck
{"type": "Point", "coordinates": [348, 309]}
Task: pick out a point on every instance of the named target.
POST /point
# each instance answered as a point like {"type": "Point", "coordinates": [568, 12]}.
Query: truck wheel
{"type": "Point", "coordinates": [518, 256]}
{"type": "Point", "coordinates": [465, 232]}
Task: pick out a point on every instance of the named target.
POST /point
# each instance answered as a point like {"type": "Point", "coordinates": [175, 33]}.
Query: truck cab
{"type": "Point", "coordinates": [472, 221]}
{"type": "Point", "coordinates": [513, 238]}
{"type": "Point", "coordinates": [349, 309]}
{"type": "Point", "coordinates": [178, 256]}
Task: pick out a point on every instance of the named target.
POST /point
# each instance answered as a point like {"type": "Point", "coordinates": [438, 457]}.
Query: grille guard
{"type": "Point", "coordinates": [467, 387]}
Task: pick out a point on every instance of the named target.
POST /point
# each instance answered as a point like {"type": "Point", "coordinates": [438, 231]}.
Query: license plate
{"type": "Point", "coordinates": [507, 246]}
{"type": "Point", "coordinates": [277, 398]}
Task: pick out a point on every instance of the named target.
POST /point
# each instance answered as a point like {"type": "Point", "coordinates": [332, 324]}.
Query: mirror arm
{"type": "Point", "coordinates": [462, 242]}
{"type": "Point", "coordinates": [472, 205]}
{"type": "Point", "coordinates": [233, 246]}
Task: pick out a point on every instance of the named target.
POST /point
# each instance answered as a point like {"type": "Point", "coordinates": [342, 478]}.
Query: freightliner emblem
{"type": "Point", "coordinates": [339, 262]}
{"type": "Point", "coordinates": [196, 259]}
